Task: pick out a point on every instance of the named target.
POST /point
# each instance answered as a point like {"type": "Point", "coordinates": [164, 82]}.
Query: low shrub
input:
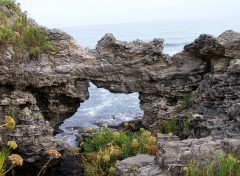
{"type": "Point", "coordinates": [34, 39]}
{"type": "Point", "coordinates": [11, 5]}
{"type": "Point", "coordinates": [223, 166]}
{"type": "Point", "coordinates": [105, 147]}
{"type": "Point", "coordinates": [21, 33]}
{"type": "Point", "coordinates": [176, 126]}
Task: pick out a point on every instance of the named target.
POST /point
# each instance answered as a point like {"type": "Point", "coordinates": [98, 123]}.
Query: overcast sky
{"type": "Point", "coordinates": [67, 13]}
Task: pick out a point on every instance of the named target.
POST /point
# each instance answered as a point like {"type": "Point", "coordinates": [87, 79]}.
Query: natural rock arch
{"type": "Point", "coordinates": [55, 84]}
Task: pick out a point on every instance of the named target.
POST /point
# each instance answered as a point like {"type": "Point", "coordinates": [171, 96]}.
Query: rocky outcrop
{"type": "Point", "coordinates": [175, 154]}
{"type": "Point", "coordinates": [140, 165]}
{"type": "Point", "coordinates": [40, 93]}
{"type": "Point", "coordinates": [32, 134]}
{"type": "Point", "coordinates": [53, 79]}
{"type": "Point", "coordinates": [141, 67]}
{"type": "Point", "coordinates": [197, 88]}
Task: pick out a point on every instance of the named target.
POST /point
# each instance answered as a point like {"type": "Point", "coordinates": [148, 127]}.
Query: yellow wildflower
{"type": "Point", "coordinates": [112, 170]}
{"type": "Point", "coordinates": [16, 159]}
{"type": "Point", "coordinates": [179, 106]}
{"type": "Point", "coordinates": [117, 152]}
{"type": "Point", "coordinates": [159, 134]}
{"type": "Point", "coordinates": [105, 125]}
{"type": "Point", "coordinates": [92, 157]}
{"type": "Point", "coordinates": [152, 149]}
{"type": "Point", "coordinates": [53, 153]}
{"type": "Point", "coordinates": [231, 157]}
{"type": "Point", "coordinates": [185, 169]}
{"type": "Point", "coordinates": [106, 157]}
{"type": "Point", "coordinates": [116, 134]}
{"type": "Point", "coordinates": [152, 140]}
{"type": "Point", "coordinates": [12, 144]}
{"type": "Point", "coordinates": [10, 123]}
{"type": "Point", "coordinates": [146, 133]}
{"type": "Point", "coordinates": [89, 130]}
{"type": "Point", "coordinates": [142, 130]}
{"type": "Point", "coordinates": [134, 143]}
{"type": "Point", "coordinates": [17, 34]}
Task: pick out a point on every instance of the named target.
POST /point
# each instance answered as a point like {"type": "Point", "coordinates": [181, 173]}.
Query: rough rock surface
{"type": "Point", "coordinates": [40, 93]}
{"type": "Point", "coordinates": [139, 165]}
{"type": "Point", "coordinates": [32, 134]}
{"type": "Point", "coordinates": [175, 154]}
{"type": "Point", "coordinates": [141, 67]}
{"type": "Point", "coordinates": [213, 108]}
{"type": "Point", "coordinates": [51, 87]}
{"type": "Point", "coordinates": [52, 79]}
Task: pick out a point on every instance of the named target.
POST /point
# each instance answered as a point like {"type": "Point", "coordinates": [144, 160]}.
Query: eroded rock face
{"type": "Point", "coordinates": [141, 67]}
{"type": "Point", "coordinates": [32, 134]}
{"type": "Point", "coordinates": [213, 106]}
{"type": "Point", "coordinates": [53, 79]}
{"type": "Point", "coordinates": [40, 93]}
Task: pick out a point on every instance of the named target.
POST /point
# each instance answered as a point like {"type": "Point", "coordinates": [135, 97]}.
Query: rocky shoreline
{"type": "Point", "coordinates": [197, 89]}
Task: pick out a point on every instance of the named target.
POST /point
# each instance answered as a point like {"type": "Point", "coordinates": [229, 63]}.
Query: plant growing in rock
{"type": "Point", "coordinates": [168, 126]}
{"type": "Point", "coordinates": [176, 126]}
{"type": "Point", "coordinates": [5, 149]}
{"type": "Point", "coordinates": [21, 33]}
{"type": "Point", "coordinates": [184, 102]}
{"type": "Point", "coordinates": [6, 34]}
{"type": "Point", "coordinates": [223, 166]}
{"type": "Point", "coordinates": [9, 124]}
{"type": "Point", "coordinates": [34, 39]}
{"type": "Point", "coordinates": [104, 148]}
{"type": "Point", "coordinates": [10, 4]}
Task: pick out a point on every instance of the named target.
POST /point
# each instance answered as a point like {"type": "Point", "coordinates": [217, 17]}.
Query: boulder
{"type": "Point", "coordinates": [139, 165]}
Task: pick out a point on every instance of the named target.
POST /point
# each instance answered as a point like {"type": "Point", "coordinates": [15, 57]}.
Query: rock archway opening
{"type": "Point", "coordinates": [102, 107]}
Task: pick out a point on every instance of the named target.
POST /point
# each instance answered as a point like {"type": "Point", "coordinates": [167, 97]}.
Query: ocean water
{"type": "Point", "coordinates": [106, 107]}
{"type": "Point", "coordinates": [175, 33]}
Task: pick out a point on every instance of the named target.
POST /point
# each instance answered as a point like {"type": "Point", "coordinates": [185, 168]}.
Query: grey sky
{"type": "Point", "coordinates": [63, 13]}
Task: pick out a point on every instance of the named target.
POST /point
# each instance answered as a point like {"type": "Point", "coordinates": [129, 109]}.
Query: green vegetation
{"type": "Point", "coordinates": [175, 126]}
{"type": "Point", "coordinates": [11, 5]}
{"type": "Point", "coordinates": [224, 166]}
{"type": "Point", "coordinates": [184, 103]}
{"type": "Point", "coordinates": [186, 99]}
{"type": "Point", "coordinates": [21, 33]}
{"type": "Point", "coordinates": [7, 160]}
{"type": "Point", "coordinates": [104, 148]}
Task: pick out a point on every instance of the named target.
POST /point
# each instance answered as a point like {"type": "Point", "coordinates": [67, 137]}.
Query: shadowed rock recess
{"type": "Point", "coordinates": [198, 89]}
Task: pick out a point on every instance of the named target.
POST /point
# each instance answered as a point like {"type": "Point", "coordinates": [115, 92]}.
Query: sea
{"type": "Point", "coordinates": [105, 107]}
